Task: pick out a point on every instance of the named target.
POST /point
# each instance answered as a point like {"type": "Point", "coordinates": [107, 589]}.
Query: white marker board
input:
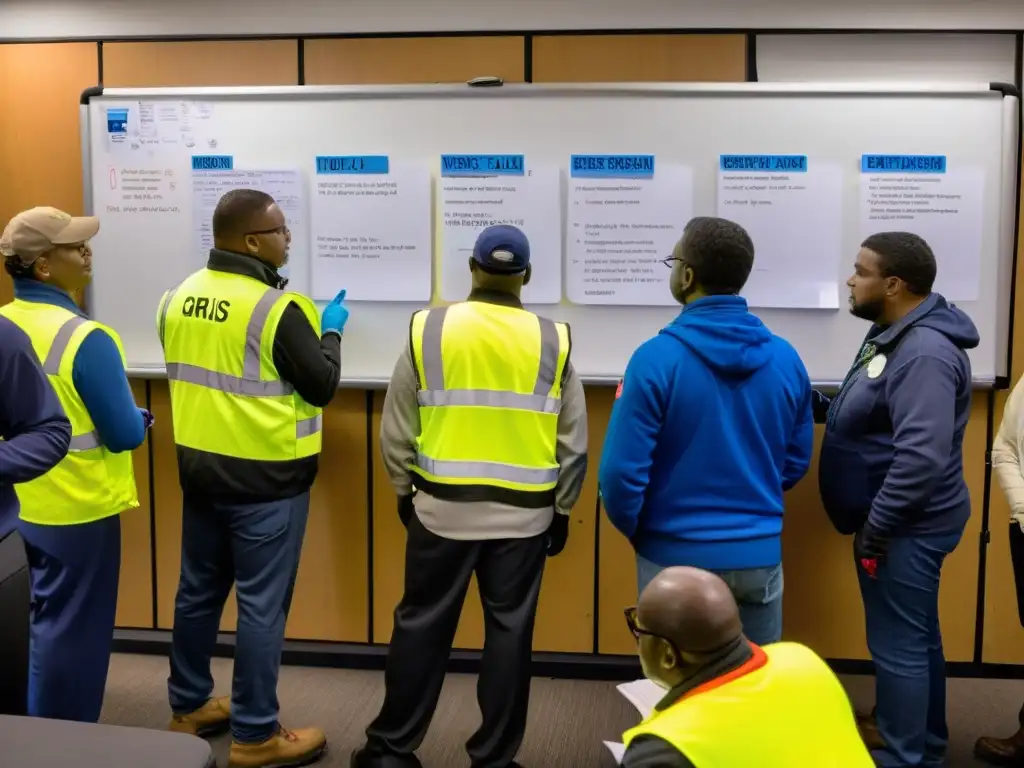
{"type": "Point", "coordinates": [140, 255]}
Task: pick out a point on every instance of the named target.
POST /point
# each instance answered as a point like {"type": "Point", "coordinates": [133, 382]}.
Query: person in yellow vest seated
{"type": "Point", "coordinates": [728, 702]}
{"type": "Point", "coordinates": [69, 517]}
{"type": "Point", "coordinates": [249, 373]}
{"type": "Point", "coordinates": [485, 421]}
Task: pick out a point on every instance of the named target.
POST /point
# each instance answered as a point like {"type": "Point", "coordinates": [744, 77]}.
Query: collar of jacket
{"type": "Point", "coordinates": [885, 335]}
{"type": "Point", "coordinates": [732, 657]}
{"type": "Point", "coordinates": [28, 289]}
{"type": "Point", "coordinates": [488, 296]}
{"type": "Point", "coordinates": [243, 264]}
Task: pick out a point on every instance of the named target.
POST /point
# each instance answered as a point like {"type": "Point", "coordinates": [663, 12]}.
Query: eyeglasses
{"type": "Point", "coordinates": [634, 626]}
{"type": "Point", "coordinates": [667, 261]}
{"type": "Point", "coordinates": [282, 230]}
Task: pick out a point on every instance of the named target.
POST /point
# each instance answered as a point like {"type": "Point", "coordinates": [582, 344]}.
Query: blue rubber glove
{"type": "Point", "coordinates": [335, 314]}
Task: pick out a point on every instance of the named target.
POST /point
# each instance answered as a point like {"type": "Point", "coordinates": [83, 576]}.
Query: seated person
{"type": "Point", "coordinates": [731, 703]}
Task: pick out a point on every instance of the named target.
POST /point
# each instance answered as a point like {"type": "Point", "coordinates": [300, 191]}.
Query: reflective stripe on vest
{"type": "Point", "coordinates": [90, 483]}
{"type": "Point", "coordinates": [433, 368]}
{"type": "Point", "coordinates": [51, 367]}
{"type": "Point", "coordinates": [489, 420]}
{"type": "Point", "coordinates": [249, 384]}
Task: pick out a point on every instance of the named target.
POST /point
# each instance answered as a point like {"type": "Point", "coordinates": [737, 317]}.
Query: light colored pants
{"type": "Point", "coordinates": [758, 593]}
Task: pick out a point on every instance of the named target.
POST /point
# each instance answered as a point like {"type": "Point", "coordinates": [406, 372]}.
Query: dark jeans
{"type": "Point", "coordinates": [75, 571]}
{"type": "Point", "coordinates": [437, 574]}
{"type": "Point", "coordinates": [758, 593]}
{"type": "Point", "coordinates": [901, 610]}
{"type": "Point", "coordinates": [256, 547]}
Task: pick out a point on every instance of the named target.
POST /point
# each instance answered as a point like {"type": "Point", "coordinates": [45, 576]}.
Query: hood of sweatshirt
{"type": "Point", "coordinates": [935, 313]}
{"type": "Point", "coordinates": [722, 332]}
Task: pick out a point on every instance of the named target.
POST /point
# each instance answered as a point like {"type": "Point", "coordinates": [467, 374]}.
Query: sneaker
{"type": "Point", "coordinates": [211, 719]}
{"type": "Point", "coordinates": [285, 749]}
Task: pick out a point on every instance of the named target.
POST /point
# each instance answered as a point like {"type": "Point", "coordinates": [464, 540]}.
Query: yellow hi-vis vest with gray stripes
{"type": "Point", "coordinates": [90, 483]}
{"type": "Point", "coordinates": [790, 711]}
{"type": "Point", "coordinates": [490, 389]}
{"type": "Point", "coordinates": [217, 331]}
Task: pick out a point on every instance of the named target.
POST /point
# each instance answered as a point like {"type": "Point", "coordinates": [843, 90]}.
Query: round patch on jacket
{"type": "Point", "coordinates": [876, 366]}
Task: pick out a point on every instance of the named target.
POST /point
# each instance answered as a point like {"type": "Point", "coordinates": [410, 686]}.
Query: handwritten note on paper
{"type": "Point", "coordinates": [214, 175]}
{"type": "Point", "coordinates": [944, 205]}
{"type": "Point", "coordinates": [477, 191]}
{"type": "Point", "coordinates": [371, 229]}
{"type": "Point", "coordinates": [626, 213]}
{"type": "Point", "coordinates": [792, 209]}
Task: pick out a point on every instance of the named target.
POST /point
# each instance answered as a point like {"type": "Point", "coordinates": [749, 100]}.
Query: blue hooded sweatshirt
{"type": "Point", "coordinates": [712, 424]}
{"type": "Point", "coordinates": [892, 455]}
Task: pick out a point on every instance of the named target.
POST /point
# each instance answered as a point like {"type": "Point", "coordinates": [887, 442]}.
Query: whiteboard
{"type": "Point", "coordinates": [139, 256]}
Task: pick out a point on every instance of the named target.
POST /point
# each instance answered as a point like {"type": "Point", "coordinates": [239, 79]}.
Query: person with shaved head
{"type": "Point", "coordinates": [729, 702]}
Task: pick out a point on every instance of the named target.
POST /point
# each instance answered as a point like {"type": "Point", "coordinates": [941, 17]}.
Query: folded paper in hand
{"type": "Point", "coordinates": [642, 694]}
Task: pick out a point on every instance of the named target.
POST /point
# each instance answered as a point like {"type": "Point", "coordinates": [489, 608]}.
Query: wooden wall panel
{"type": "Point", "coordinates": [135, 594]}
{"type": "Point", "coordinates": [413, 60]}
{"type": "Point", "coordinates": [40, 149]}
{"type": "Point", "coordinates": [201, 63]}
{"type": "Point", "coordinates": [639, 58]}
{"type": "Point", "coordinates": [1003, 641]}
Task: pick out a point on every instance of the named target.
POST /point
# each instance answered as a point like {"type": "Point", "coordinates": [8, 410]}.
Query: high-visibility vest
{"type": "Point", "coordinates": [490, 389]}
{"type": "Point", "coordinates": [227, 397]}
{"type": "Point", "coordinates": [90, 483]}
{"type": "Point", "coordinates": [789, 711]}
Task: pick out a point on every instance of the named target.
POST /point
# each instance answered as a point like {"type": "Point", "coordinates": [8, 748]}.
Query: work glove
{"type": "Point", "coordinates": [406, 509]}
{"type": "Point", "coordinates": [335, 315]}
{"type": "Point", "coordinates": [147, 418]}
{"type": "Point", "coordinates": [557, 534]}
{"type": "Point", "coordinates": [870, 548]}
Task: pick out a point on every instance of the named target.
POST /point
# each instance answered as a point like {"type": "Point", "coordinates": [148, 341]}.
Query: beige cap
{"type": "Point", "coordinates": [32, 233]}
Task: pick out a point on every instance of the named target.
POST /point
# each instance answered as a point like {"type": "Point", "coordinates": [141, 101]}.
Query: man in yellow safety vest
{"type": "Point", "coordinates": [728, 702]}
{"type": "Point", "coordinates": [249, 372]}
{"type": "Point", "coordinates": [70, 516]}
{"type": "Point", "coordinates": [485, 422]}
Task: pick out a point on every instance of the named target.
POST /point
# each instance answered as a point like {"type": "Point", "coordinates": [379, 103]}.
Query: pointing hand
{"type": "Point", "coordinates": [335, 314]}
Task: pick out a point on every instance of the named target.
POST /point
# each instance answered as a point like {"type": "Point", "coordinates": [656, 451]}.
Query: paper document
{"type": "Point", "coordinates": [792, 208]}
{"type": "Point", "coordinates": [939, 202]}
{"type": "Point", "coordinates": [618, 750]}
{"type": "Point", "coordinates": [499, 189]}
{"type": "Point", "coordinates": [642, 694]}
{"type": "Point", "coordinates": [285, 186]}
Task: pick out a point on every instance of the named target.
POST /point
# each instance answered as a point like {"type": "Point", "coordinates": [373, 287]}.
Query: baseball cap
{"type": "Point", "coordinates": [502, 249]}
{"type": "Point", "coordinates": [32, 233]}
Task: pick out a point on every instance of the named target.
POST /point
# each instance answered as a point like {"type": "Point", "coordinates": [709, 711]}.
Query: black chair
{"type": "Point", "coordinates": [15, 602]}
{"type": "Point", "coordinates": [29, 742]}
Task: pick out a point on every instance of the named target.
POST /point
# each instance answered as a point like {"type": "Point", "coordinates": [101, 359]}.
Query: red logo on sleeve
{"type": "Point", "coordinates": [618, 389]}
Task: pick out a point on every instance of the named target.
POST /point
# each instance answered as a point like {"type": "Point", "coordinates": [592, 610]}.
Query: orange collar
{"type": "Point", "coordinates": [757, 660]}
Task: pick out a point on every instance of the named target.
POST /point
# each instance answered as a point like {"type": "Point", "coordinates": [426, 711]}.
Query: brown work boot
{"type": "Point", "coordinates": [211, 719]}
{"type": "Point", "coordinates": [285, 749]}
{"type": "Point", "coordinates": [1008, 751]}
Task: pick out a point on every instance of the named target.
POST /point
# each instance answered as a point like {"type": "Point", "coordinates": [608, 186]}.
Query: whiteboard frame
{"type": "Point", "coordinates": [1008, 203]}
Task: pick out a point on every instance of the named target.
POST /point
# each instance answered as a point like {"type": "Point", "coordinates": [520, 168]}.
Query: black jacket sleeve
{"type": "Point", "coordinates": [310, 364]}
{"type": "Point", "coordinates": [652, 752]}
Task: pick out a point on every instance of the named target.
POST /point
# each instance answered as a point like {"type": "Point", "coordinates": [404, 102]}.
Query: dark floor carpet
{"type": "Point", "coordinates": [568, 718]}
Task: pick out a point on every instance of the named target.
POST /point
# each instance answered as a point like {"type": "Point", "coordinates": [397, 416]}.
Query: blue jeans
{"type": "Point", "coordinates": [901, 610]}
{"type": "Point", "coordinates": [256, 547]}
{"type": "Point", "coordinates": [758, 593]}
{"type": "Point", "coordinates": [74, 571]}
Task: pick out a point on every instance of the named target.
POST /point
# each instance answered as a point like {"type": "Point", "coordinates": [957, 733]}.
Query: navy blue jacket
{"type": "Point", "coordinates": [35, 431]}
{"type": "Point", "coordinates": [892, 455]}
{"type": "Point", "coordinates": [712, 425]}
{"type": "Point", "coordinates": [98, 375]}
